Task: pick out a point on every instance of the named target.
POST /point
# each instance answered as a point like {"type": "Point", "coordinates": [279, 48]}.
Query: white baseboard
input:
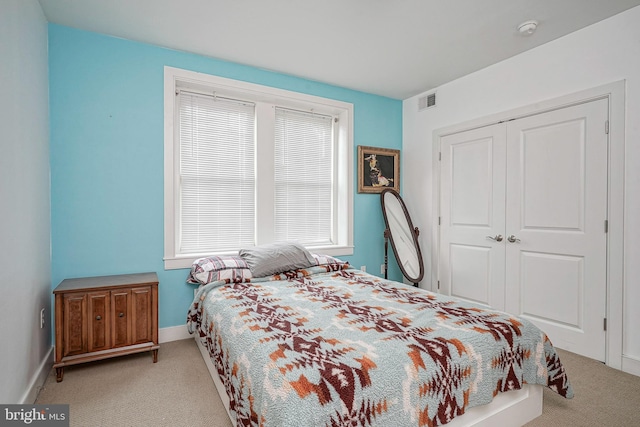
{"type": "Point", "coordinates": [173, 333]}
{"type": "Point", "coordinates": [631, 365]}
{"type": "Point", "coordinates": [38, 379]}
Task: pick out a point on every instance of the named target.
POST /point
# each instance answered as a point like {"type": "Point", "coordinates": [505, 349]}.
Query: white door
{"type": "Point", "coordinates": [523, 210]}
{"type": "Point", "coordinates": [473, 215]}
{"type": "Point", "coordinates": [555, 224]}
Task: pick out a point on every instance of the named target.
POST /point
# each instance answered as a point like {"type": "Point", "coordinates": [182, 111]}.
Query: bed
{"type": "Point", "coordinates": [330, 345]}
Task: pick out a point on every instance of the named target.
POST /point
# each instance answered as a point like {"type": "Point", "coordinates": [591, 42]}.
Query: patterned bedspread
{"type": "Point", "coordinates": [337, 348]}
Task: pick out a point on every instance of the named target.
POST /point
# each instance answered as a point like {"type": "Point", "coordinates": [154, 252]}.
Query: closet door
{"type": "Point", "coordinates": [472, 216]}
{"type": "Point", "coordinates": [555, 233]}
{"type": "Point", "coordinates": [523, 206]}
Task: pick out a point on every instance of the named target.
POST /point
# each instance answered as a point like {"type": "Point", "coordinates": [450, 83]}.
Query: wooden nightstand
{"type": "Point", "coordinates": [107, 316]}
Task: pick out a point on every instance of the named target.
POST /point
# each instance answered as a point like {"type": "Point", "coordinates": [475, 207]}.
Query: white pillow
{"type": "Point", "coordinates": [266, 260]}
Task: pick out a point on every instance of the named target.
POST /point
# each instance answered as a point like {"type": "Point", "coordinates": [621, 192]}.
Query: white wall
{"type": "Point", "coordinates": [25, 266]}
{"type": "Point", "coordinates": [603, 53]}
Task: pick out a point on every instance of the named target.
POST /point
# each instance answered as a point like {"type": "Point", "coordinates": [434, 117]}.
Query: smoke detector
{"type": "Point", "coordinates": [527, 28]}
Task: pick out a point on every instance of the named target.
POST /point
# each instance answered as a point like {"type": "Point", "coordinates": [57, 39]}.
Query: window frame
{"type": "Point", "coordinates": [264, 97]}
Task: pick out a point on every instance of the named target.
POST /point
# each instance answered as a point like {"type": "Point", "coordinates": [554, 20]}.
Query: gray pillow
{"type": "Point", "coordinates": [265, 260]}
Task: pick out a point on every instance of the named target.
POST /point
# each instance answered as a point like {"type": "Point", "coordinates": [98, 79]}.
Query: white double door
{"type": "Point", "coordinates": [523, 214]}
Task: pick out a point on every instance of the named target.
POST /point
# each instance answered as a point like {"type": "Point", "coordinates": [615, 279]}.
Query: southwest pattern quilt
{"type": "Point", "coordinates": [319, 347]}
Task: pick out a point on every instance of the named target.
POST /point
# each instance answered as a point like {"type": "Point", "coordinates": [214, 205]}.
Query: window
{"type": "Point", "coordinates": [216, 176]}
{"type": "Point", "coordinates": [247, 164]}
{"type": "Point", "coordinates": [303, 177]}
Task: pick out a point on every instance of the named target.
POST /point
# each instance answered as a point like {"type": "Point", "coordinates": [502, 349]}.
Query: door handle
{"type": "Point", "coordinates": [513, 239]}
{"type": "Point", "coordinates": [498, 238]}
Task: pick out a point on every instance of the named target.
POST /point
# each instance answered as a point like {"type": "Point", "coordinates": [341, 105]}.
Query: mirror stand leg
{"type": "Point", "coordinates": [386, 253]}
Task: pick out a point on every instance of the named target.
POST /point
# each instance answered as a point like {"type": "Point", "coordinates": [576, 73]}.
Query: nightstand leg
{"type": "Point", "coordinates": [59, 374]}
{"type": "Point", "coordinates": [155, 355]}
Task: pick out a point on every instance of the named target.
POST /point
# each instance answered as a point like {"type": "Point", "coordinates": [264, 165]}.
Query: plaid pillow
{"type": "Point", "coordinates": [214, 268]}
{"type": "Point", "coordinates": [327, 260]}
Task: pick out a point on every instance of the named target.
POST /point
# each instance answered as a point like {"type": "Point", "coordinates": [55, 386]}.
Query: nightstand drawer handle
{"type": "Point", "coordinates": [98, 317]}
{"type": "Point", "coordinates": [121, 315]}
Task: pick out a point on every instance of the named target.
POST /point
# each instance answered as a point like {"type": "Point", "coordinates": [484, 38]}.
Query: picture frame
{"type": "Point", "coordinates": [378, 168]}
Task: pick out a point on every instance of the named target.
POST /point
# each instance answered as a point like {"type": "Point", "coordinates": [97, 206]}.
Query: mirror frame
{"type": "Point", "coordinates": [414, 231]}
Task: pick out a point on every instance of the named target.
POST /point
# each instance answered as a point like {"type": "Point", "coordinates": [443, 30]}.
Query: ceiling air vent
{"type": "Point", "coordinates": [426, 101]}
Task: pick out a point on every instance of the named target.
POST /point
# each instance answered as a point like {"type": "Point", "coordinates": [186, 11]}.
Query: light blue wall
{"type": "Point", "coordinates": [106, 107]}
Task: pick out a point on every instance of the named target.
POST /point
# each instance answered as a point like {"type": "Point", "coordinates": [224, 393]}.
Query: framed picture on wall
{"type": "Point", "coordinates": [378, 168]}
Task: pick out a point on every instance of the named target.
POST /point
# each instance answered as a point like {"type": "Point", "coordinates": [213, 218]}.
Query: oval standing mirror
{"type": "Point", "coordinates": [403, 236]}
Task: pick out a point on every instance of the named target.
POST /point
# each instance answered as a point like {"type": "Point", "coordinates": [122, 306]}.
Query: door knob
{"type": "Point", "coordinates": [513, 239]}
{"type": "Point", "coordinates": [498, 238]}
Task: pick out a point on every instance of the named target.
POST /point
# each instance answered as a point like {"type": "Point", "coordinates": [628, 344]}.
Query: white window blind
{"type": "Point", "coordinates": [217, 177]}
{"type": "Point", "coordinates": [249, 164]}
{"type": "Point", "coordinates": [303, 178]}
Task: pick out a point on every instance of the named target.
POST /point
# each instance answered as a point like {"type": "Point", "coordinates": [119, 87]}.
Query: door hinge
{"type": "Point", "coordinates": [439, 220]}
{"type": "Point", "coordinates": [606, 127]}
{"type": "Point", "coordinates": [439, 156]}
{"type": "Point", "coordinates": [605, 324]}
{"type": "Point", "coordinates": [606, 225]}
{"type": "Point", "coordinates": [438, 284]}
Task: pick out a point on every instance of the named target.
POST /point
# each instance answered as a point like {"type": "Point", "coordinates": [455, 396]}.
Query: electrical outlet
{"type": "Point", "coordinates": [42, 318]}
{"type": "Point", "coordinates": [382, 268]}
{"type": "Point", "coordinates": [363, 268]}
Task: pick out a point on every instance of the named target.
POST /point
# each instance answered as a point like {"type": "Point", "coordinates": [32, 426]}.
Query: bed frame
{"type": "Point", "coordinates": [514, 408]}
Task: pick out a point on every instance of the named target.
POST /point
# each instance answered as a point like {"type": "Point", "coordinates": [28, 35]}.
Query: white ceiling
{"type": "Point", "coordinates": [394, 48]}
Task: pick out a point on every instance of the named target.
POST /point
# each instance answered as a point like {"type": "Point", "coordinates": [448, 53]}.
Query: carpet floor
{"type": "Point", "coordinates": [177, 391]}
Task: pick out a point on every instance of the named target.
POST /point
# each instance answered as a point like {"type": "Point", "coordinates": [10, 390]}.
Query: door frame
{"type": "Point", "coordinates": [615, 94]}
